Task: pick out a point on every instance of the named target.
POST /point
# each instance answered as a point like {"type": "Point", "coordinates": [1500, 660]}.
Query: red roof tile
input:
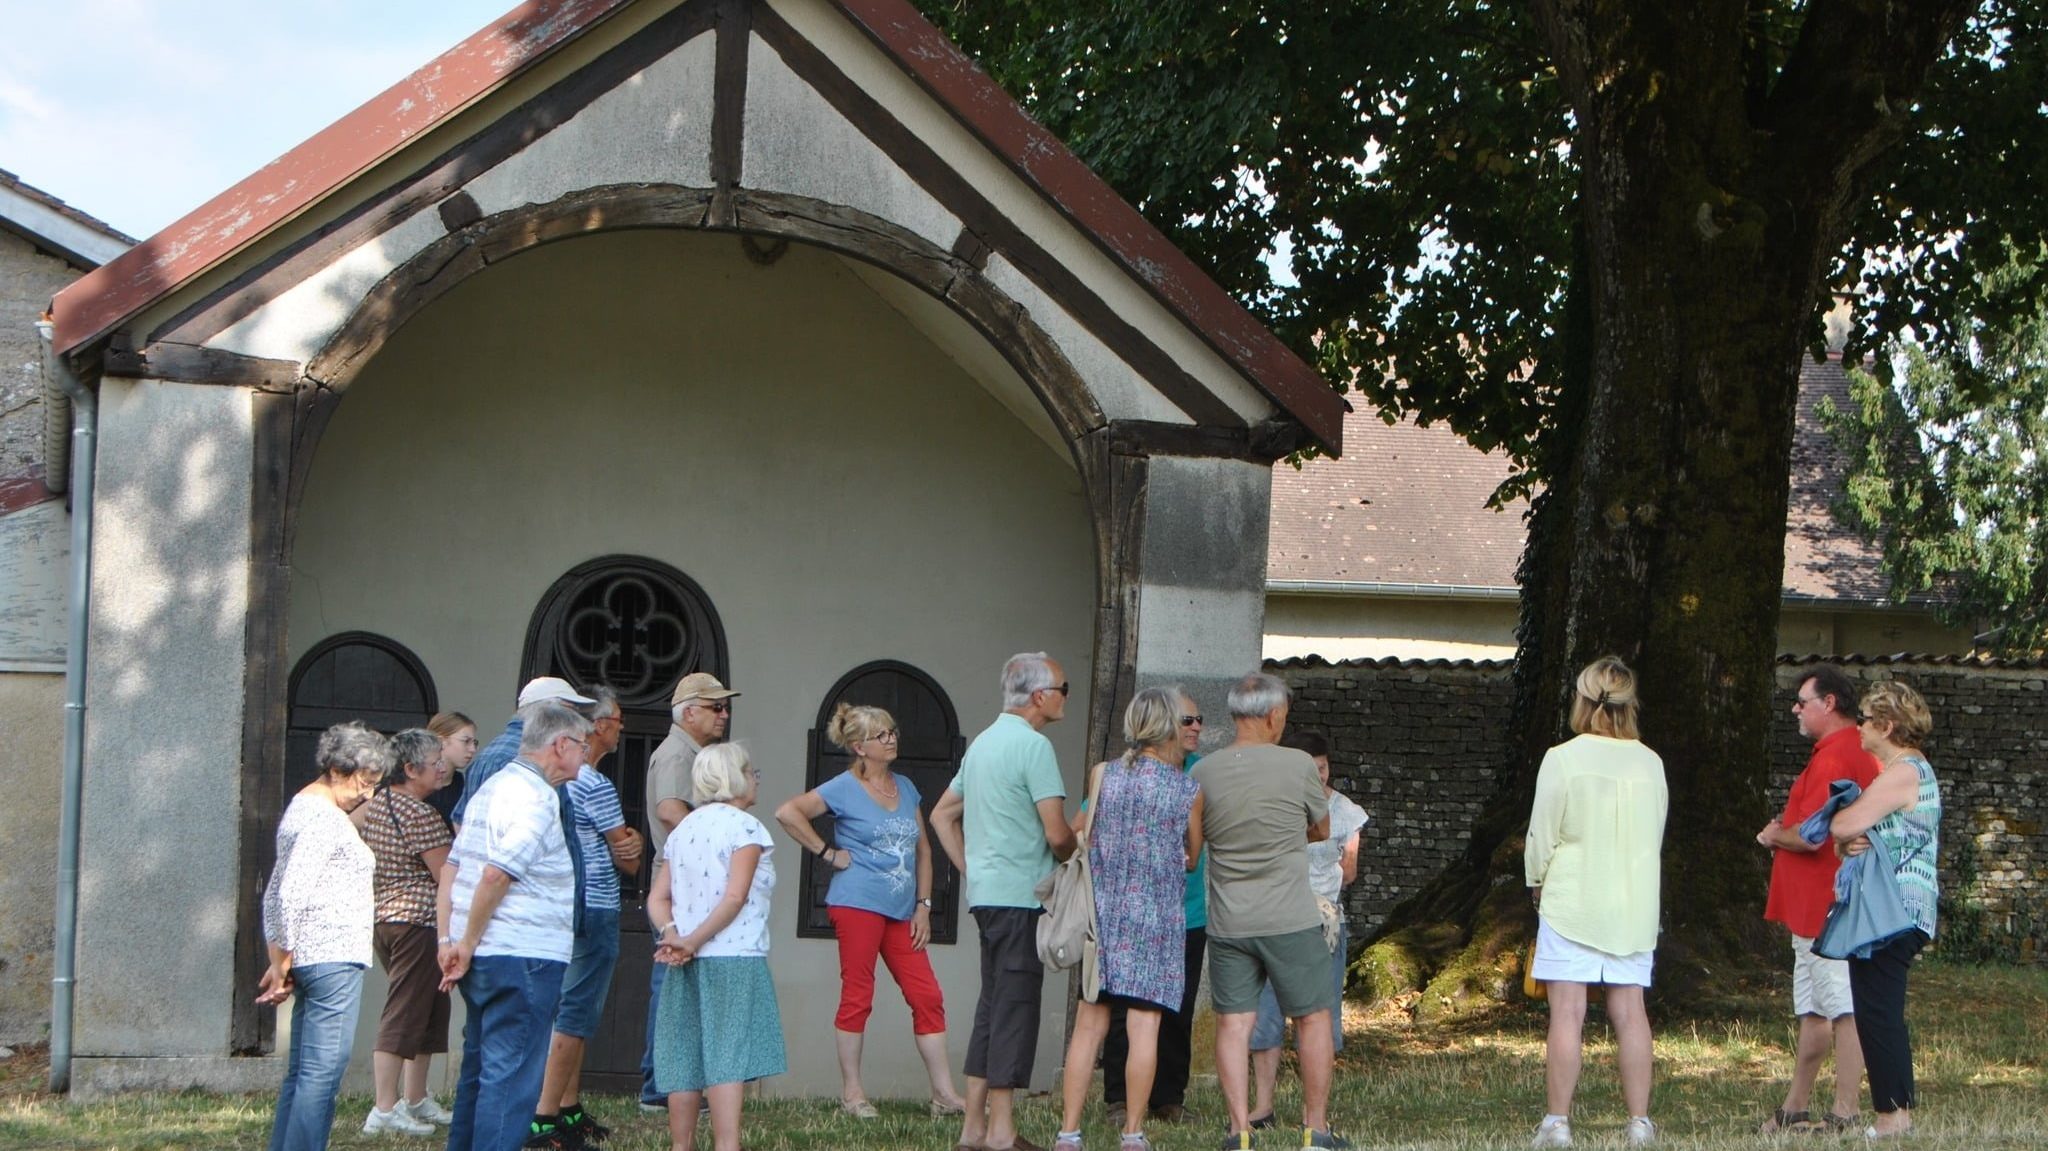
{"type": "Point", "coordinates": [1407, 505]}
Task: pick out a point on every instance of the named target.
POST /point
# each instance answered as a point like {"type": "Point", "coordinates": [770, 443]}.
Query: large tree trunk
{"type": "Point", "coordinates": [1706, 216]}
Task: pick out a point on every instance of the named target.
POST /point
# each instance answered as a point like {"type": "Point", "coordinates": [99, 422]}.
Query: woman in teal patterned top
{"type": "Point", "coordinates": [1902, 808]}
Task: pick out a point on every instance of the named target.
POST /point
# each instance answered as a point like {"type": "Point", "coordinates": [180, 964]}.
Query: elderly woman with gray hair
{"type": "Point", "coordinates": [410, 842]}
{"type": "Point", "coordinates": [317, 914]}
{"type": "Point", "coordinates": [718, 1024]}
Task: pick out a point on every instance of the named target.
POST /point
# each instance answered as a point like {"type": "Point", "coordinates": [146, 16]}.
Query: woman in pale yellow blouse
{"type": "Point", "coordinates": [1595, 836]}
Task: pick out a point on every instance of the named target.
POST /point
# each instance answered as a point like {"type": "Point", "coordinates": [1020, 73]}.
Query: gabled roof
{"type": "Point", "coordinates": [98, 304]}
{"type": "Point", "coordinates": [56, 227]}
{"type": "Point", "coordinates": [1406, 507]}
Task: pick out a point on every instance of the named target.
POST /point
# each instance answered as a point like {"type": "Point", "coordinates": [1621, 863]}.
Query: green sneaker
{"type": "Point", "coordinates": [1238, 1141]}
{"type": "Point", "coordinates": [1310, 1137]}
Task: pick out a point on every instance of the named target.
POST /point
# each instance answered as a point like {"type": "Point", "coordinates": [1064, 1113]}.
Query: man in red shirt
{"type": "Point", "coordinates": [1802, 887]}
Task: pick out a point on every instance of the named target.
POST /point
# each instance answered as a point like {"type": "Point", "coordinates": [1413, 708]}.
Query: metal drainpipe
{"type": "Point", "coordinates": [84, 435]}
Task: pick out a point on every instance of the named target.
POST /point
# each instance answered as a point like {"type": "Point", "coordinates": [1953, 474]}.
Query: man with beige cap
{"type": "Point", "coordinates": [700, 711]}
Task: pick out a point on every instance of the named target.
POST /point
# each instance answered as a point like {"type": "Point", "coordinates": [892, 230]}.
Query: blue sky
{"type": "Point", "coordinates": [138, 111]}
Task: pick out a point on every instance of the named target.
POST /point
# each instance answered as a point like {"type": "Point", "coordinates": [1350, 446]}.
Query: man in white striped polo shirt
{"type": "Point", "coordinates": [507, 909]}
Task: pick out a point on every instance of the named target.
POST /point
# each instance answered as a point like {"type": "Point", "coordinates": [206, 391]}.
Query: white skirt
{"type": "Point", "coordinates": [1560, 960]}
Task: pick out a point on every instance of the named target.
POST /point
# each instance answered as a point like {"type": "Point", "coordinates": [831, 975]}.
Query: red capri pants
{"type": "Point", "coordinates": [863, 935]}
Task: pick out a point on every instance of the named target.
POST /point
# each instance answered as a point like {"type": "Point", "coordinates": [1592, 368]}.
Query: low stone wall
{"type": "Point", "coordinates": [1419, 744]}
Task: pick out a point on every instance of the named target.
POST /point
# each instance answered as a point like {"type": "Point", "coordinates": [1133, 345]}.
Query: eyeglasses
{"type": "Point", "coordinates": [722, 707]}
{"type": "Point", "coordinates": [889, 736]}
{"type": "Point", "coordinates": [1191, 720]}
{"type": "Point", "coordinates": [1060, 687]}
{"type": "Point", "coordinates": [582, 743]}
{"type": "Point", "coordinates": [1804, 701]}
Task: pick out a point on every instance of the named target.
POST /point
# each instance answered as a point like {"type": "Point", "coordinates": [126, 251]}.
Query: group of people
{"type": "Point", "coordinates": [1593, 867]}
{"type": "Point", "coordinates": [1236, 857]}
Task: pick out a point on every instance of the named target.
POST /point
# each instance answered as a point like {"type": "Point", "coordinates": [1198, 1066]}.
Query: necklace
{"type": "Point", "coordinates": [876, 788]}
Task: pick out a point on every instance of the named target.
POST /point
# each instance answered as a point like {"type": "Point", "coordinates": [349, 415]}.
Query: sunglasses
{"type": "Point", "coordinates": [1191, 720]}
{"type": "Point", "coordinates": [721, 707]}
{"type": "Point", "coordinates": [1060, 687]}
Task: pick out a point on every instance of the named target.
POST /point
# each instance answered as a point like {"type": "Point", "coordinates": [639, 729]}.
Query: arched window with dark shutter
{"type": "Point", "coordinates": [354, 675]}
{"type": "Point", "coordinates": [928, 752]}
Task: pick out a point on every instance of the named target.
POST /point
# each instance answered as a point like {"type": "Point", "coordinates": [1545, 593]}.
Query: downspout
{"type": "Point", "coordinates": [84, 410]}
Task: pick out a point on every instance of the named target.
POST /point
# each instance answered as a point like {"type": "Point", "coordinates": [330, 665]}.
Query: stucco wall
{"type": "Point", "coordinates": [31, 756]}
{"type": "Point", "coordinates": [842, 491]}
{"type": "Point", "coordinates": [164, 720]}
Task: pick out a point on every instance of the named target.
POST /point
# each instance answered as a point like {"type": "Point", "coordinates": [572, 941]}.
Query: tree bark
{"type": "Point", "coordinates": [1711, 199]}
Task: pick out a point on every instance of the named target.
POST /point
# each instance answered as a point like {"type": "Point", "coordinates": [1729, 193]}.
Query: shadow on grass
{"type": "Point", "coordinates": [1981, 1039]}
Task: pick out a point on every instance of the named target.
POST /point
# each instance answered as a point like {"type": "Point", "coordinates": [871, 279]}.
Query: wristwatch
{"type": "Point", "coordinates": [447, 941]}
{"type": "Point", "coordinates": [925, 903]}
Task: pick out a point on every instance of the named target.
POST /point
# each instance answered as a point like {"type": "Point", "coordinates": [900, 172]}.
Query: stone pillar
{"type": "Point", "coordinates": [163, 755]}
{"type": "Point", "coordinates": [1202, 579]}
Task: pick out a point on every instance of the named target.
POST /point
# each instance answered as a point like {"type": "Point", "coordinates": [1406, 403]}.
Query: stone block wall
{"type": "Point", "coordinates": [1419, 745]}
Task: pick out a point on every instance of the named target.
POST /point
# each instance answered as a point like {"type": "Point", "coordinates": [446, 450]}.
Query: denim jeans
{"type": "Point", "coordinates": [648, 1094]}
{"type": "Point", "coordinates": [1269, 1029]}
{"type": "Point", "coordinates": [511, 1003]}
{"type": "Point", "coordinates": [325, 1000]}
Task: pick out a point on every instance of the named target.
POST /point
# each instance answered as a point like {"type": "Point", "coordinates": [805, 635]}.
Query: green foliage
{"type": "Point", "coordinates": [1947, 466]}
{"type": "Point", "coordinates": [1412, 160]}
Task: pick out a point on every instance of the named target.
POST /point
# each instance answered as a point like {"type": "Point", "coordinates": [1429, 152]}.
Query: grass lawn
{"type": "Point", "coordinates": [1981, 1042]}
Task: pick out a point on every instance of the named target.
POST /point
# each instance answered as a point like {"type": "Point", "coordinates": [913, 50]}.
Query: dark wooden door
{"type": "Point", "coordinates": [928, 751]}
{"type": "Point", "coordinates": [354, 675]}
{"type": "Point", "coordinates": [636, 626]}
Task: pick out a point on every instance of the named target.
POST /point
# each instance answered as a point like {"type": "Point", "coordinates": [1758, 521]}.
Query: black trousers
{"type": "Point", "coordinates": [1176, 1039]}
{"type": "Point", "coordinates": [1877, 988]}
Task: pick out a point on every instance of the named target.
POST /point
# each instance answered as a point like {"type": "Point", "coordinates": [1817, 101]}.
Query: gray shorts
{"type": "Point", "coordinates": [1297, 963]}
{"type": "Point", "coordinates": [1004, 1042]}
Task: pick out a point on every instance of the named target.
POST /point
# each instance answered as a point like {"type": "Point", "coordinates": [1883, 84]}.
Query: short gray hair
{"type": "Point", "coordinates": [352, 749]}
{"type": "Point", "coordinates": [1258, 695]}
{"type": "Point", "coordinates": [718, 773]}
{"type": "Point", "coordinates": [548, 720]}
{"type": "Point", "coordinates": [413, 747]}
{"type": "Point", "coordinates": [604, 701]}
{"type": "Point", "coordinates": [1026, 674]}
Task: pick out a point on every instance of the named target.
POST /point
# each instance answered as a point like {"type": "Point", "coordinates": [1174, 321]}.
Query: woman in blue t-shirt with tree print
{"type": "Point", "coordinates": [880, 897]}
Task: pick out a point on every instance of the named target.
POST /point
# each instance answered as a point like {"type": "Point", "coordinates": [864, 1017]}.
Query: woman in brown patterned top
{"type": "Point", "coordinates": [410, 842]}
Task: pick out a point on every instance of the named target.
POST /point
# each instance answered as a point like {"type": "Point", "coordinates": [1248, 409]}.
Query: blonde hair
{"type": "Point", "coordinates": [1151, 719]}
{"type": "Point", "coordinates": [851, 723]}
{"type": "Point", "coordinates": [447, 724]}
{"type": "Point", "coordinates": [719, 773]}
{"type": "Point", "coordinates": [1604, 702]}
{"type": "Point", "coordinates": [1897, 704]}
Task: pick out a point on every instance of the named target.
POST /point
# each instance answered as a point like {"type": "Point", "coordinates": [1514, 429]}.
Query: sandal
{"type": "Point", "coordinates": [859, 1108]}
{"type": "Point", "coordinates": [1782, 1120]}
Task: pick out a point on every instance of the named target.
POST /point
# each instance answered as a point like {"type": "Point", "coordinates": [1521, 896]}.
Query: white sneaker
{"type": "Point", "coordinates": [1553, 1133]}
{"type": "Point", "coordinates": [395, 1120]}
{"type": "Point", "coordinates": [425, 1111]}
{"type": "Point", "coordinates": [1640, 1132]}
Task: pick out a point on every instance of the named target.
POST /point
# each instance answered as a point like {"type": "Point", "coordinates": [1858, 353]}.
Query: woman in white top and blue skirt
{"type": "Point", "coordinates": [718, 1025]}
{"type": "Point", "coordinates": [1594, 862]}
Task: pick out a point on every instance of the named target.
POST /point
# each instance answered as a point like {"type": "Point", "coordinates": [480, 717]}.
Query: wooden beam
{"type": "Point", "coordinates": [953, 190]}
{"type": "Point", "coordinates": [194, 364]}
{"type": "Point", "coordinates": [1269, 440]}
{"type": "Point", "coordinates": [252, 1029]}
{"type": "Point", "coordinates": [729, 105]}
{"type": "Point", "coordinates": [460, 211]}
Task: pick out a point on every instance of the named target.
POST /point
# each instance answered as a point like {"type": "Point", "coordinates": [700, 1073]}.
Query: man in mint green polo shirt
{"type": "Point", "coordinates": [1003, 824]}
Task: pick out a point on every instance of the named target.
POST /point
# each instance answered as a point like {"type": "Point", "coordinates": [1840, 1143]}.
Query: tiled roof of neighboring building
{"type": "Point", "coordinates": [1407, 506]}
{"type": "Point", "coordinates": [50, 223]}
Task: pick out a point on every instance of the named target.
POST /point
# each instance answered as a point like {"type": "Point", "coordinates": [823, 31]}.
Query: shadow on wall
{"type": "Point", "coordinates": [164, 720]}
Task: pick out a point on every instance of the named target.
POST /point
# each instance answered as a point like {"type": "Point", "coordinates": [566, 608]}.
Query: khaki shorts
{"type": "Point", "coordinates": [1819, 986]}
{"type": "Point", "coordinates": [1298, 963]}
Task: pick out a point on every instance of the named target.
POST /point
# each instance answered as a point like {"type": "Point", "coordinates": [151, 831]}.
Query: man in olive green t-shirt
{"type": "Point", "coordinates": [1261, 807]}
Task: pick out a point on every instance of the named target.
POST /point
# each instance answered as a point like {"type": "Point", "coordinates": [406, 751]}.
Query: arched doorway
{"type": "Point", "coordinates": [354, 675]}
{"type": "Point", "coordinates": [928, 752]}
{"type": "Point", "coordinates": [636, 625]}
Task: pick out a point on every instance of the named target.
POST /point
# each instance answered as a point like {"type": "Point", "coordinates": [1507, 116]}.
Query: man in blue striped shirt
{"type": "Point", "coordinates": [608, 846]}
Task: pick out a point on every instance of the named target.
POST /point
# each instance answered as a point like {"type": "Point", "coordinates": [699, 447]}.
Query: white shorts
{"type": "Point", "coordinates": [1820, 986]}
{"type": "Point", "coordinates": [1560, 960]}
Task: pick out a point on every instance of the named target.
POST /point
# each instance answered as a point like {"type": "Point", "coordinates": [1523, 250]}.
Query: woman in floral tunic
{"type": "Point", "coordinates": [1144, 834]}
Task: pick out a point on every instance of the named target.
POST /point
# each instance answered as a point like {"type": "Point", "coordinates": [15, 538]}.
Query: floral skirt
{"type": "Point", "coordinates": [718, 1023]}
